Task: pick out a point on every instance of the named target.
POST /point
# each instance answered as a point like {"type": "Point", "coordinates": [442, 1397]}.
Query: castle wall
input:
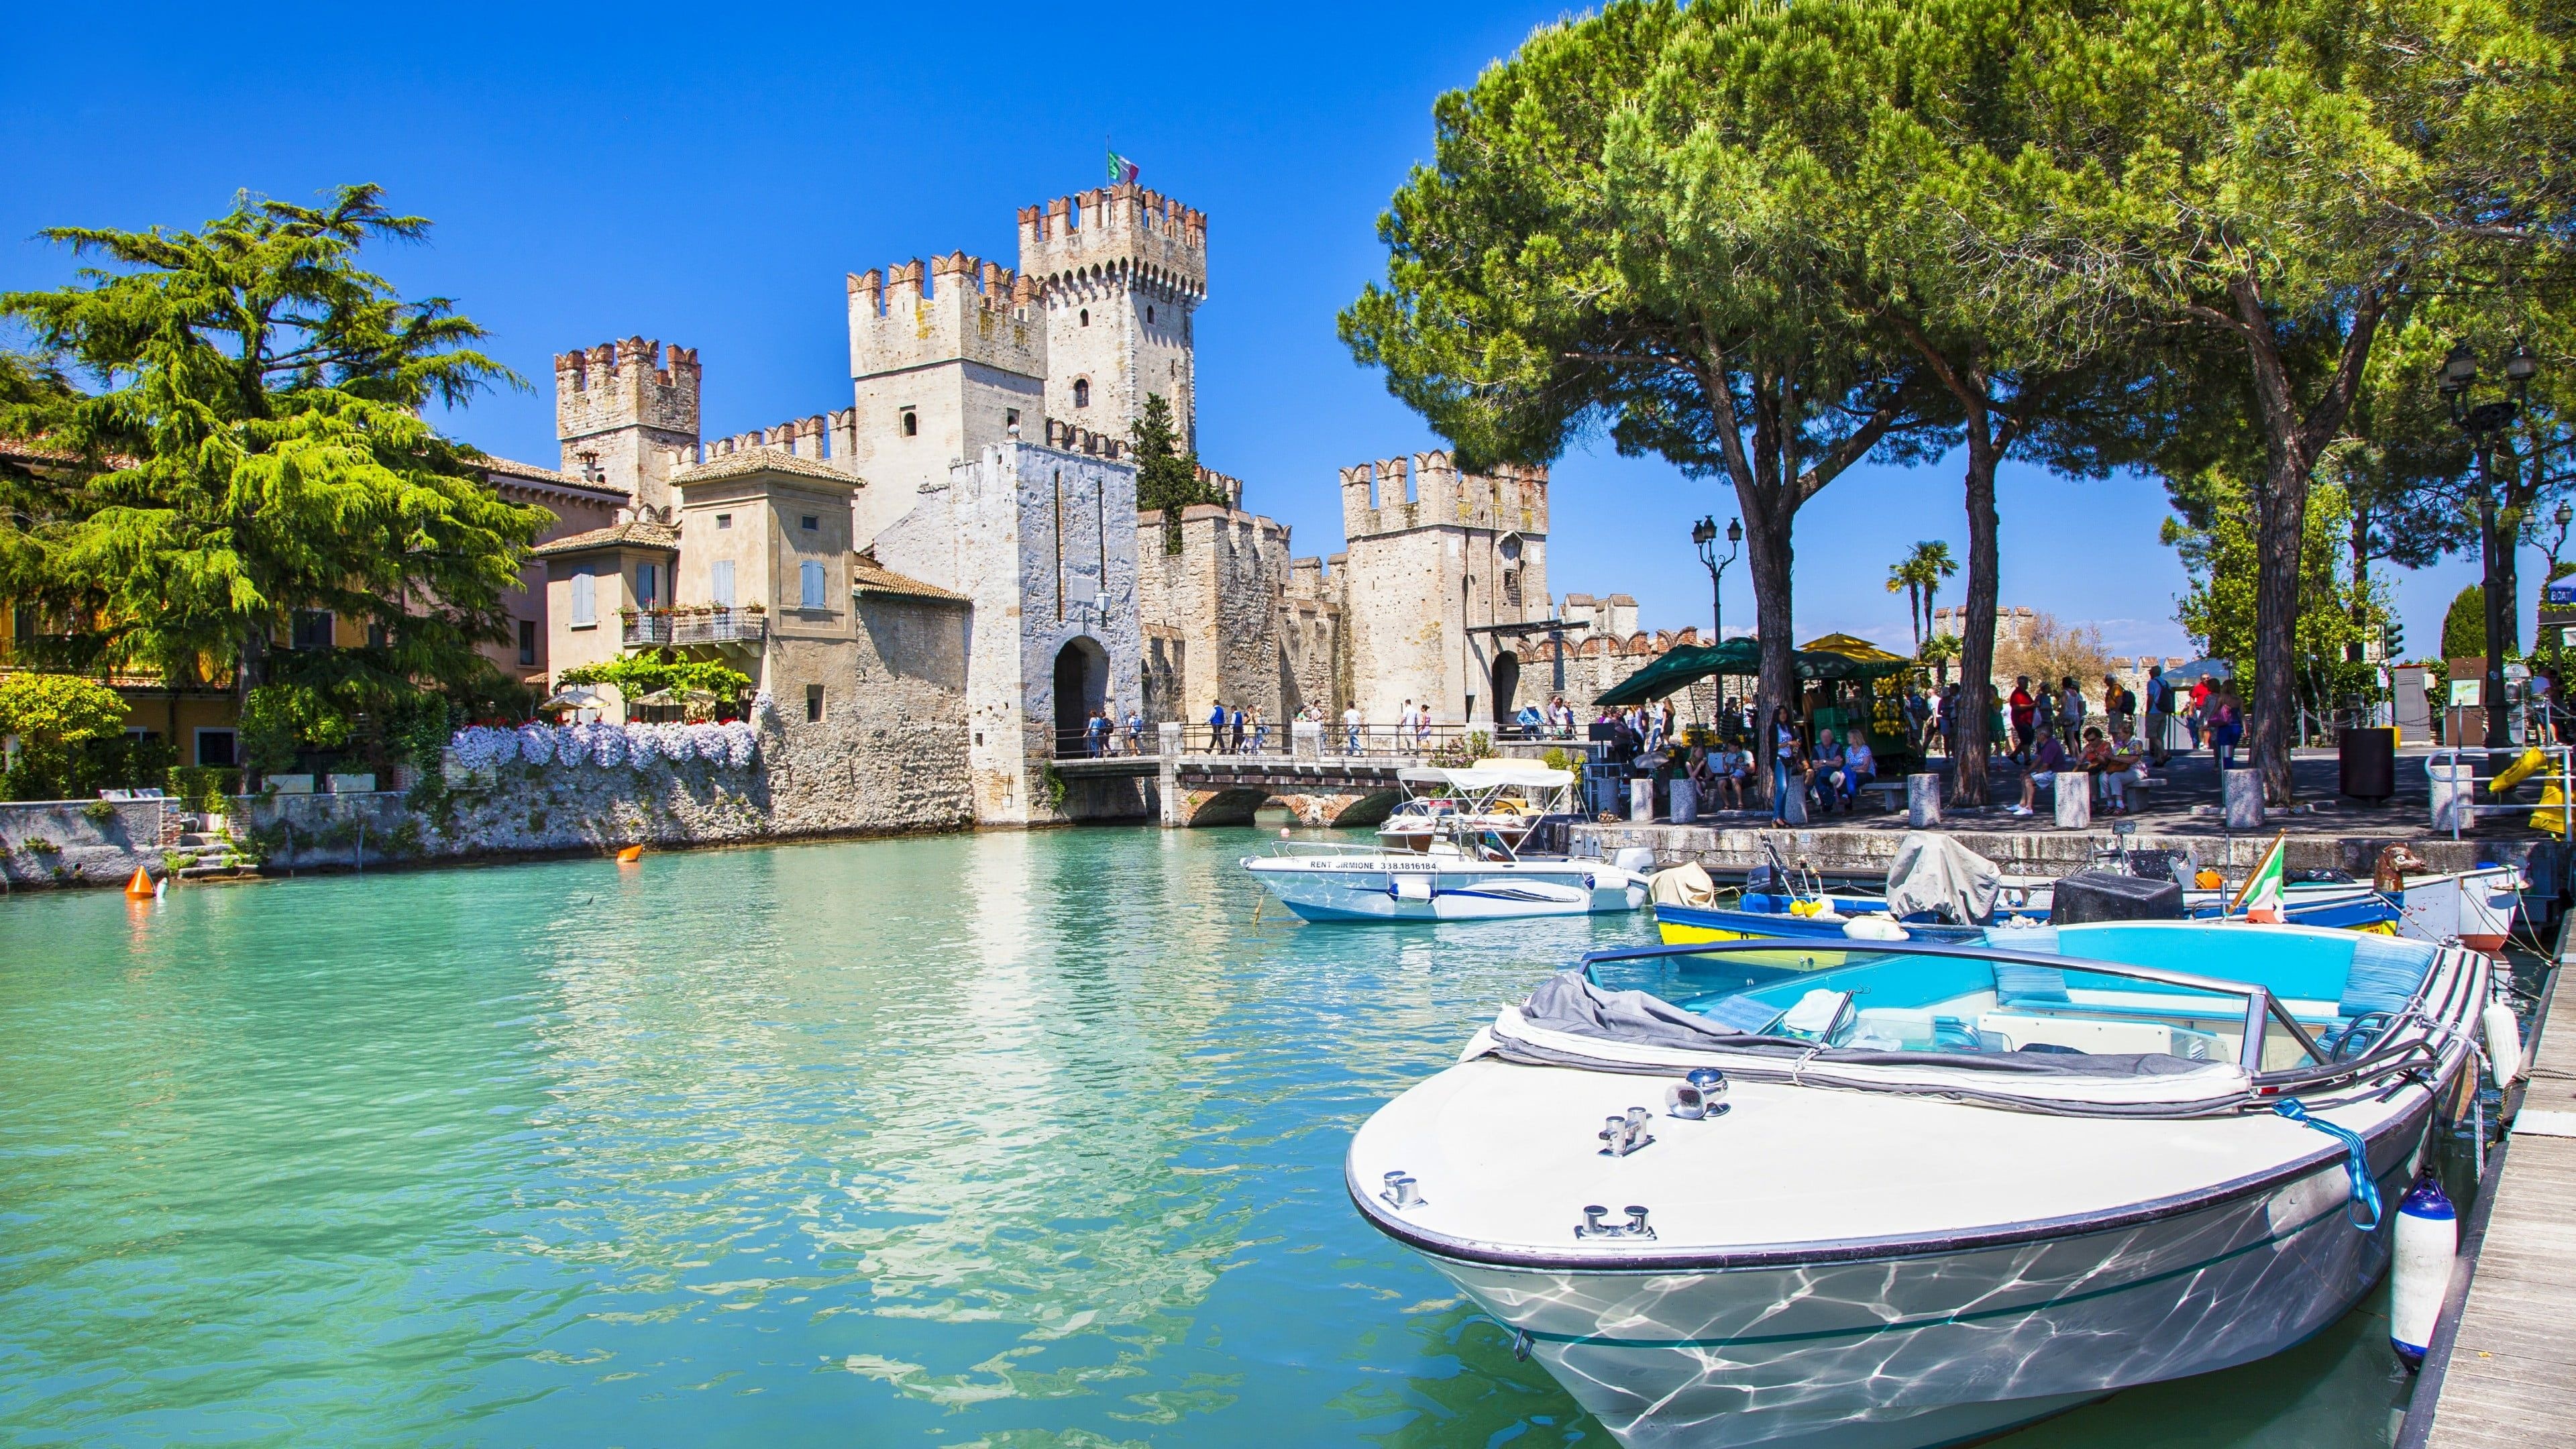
{"type": "Point", "coordinates": [1216, 607]}
{"type": "Point", "coordinates": [937, 375]}
{"type": "Point", "coordinates": [1043, 542]}
{"type": "Point", "coordinates": [1433, 553]}
{"type": "Point", "coordinates": [620, 409]}
{"type": "Point", "coordinates": [1122, 270]}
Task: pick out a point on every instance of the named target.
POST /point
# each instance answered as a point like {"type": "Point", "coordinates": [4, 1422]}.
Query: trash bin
{"type": "Point", "coordinates": [2369, 761]}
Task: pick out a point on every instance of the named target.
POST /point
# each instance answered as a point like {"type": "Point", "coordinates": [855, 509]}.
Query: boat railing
{"type": "Point", "coordinates": [2261, 1006]}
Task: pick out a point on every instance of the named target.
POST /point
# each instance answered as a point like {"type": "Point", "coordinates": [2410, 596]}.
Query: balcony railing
{"type": "Point", "coordinates": [718, 626]}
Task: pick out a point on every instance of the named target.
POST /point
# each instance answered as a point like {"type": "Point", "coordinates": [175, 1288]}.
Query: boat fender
{"type": "Point", "coordinates": [1825, 913]}
{"type": "Point", "coordinates": [2428, 1238]}
{"type": "Point", "coordinates": [2363, 1210]}
{"type": "Point", "coordinates": [2504, 1044]}
{"type": "Point", "coordinates": [1875, 928]}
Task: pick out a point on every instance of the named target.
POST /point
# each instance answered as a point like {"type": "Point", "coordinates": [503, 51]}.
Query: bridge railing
{"type": "Point", "coordinates": [1333, 740]}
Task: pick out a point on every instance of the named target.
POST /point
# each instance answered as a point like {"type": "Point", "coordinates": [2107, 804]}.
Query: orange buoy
{"type": "Point", "coordinates": [630, 855]}
{"type": "Point", "coordinates": [139, 888]}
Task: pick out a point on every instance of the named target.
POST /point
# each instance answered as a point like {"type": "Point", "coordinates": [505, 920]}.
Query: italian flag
{"type": "Point", "coordinates": [2260, 900]}
{"type": "Point", "coordinates": [1121, 170]}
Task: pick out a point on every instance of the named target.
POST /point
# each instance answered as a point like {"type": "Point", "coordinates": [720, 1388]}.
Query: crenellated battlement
{"type": "Point", "coordinates": [633, 383]}
{"type": "Point", "coordinates": [956, 307]}
{"type": "Point", "coordinates": [1122, 231]}
{"type": "Point", "coordinates": [1428, 490]}
{"type": "Point", "coordinates": [1069, 438]}
{"type": "Point", "coordinates": [1225, 485]}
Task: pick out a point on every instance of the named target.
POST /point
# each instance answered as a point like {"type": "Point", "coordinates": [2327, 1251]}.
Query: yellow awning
{"type": "Point", "coordinates": [1851, 647]}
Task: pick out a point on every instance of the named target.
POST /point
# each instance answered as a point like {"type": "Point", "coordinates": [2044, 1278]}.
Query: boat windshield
{"type": "Point", "coordinates": [2269, 999]}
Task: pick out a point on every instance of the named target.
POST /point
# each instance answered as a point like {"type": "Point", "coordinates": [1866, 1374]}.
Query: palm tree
{"type": "Point", "coordinates": [1932, 563]}
{"type": "Point", "coordinates": [1903, 577]}
{"type": "Point", "coordinates": [1919, 575]}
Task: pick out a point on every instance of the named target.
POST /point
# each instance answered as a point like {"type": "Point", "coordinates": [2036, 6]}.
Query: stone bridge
{"type": "Point", "coordinates": [1355, 790]}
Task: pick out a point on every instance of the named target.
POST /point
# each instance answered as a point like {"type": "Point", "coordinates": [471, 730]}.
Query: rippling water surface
{"type": "Point", "coordinates": [1012, 1140]}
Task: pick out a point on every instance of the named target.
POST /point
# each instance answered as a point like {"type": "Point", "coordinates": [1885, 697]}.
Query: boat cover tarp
{"type": "Point", "coordinates": [1683, 885]}
{"type": "Point", "coordinates": [1936, 875]}
{"type": "Point", "coordinates": [1567, 1002]}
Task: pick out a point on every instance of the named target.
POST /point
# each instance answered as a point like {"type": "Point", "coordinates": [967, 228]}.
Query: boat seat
{"type": "Point", "coordinates": [2386, 973]}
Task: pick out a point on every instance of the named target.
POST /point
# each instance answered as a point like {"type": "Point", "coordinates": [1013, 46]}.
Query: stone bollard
{"type": "Point", "coordinates": [1306, 739]}
{"type": "Point", "coordinates": [2244, 793]}
{"type": "Point", "coordinates": [2455, 801]}
{"type": "Point", "coordinates": [1795, 812]}
{"type": "Point", "coordinates": [1922, 801]}
{"type": "Point", "coordinates": [1641, 801]}
{"type": "Point", "coordinates": [2074, 792]}
{"type": "Point", "coordinates": [1167, 739]}
{"type": "Point", "coordinates": [1685, 798]}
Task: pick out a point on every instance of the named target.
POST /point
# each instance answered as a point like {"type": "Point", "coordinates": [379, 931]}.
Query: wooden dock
{"type": "Point", "coordinates": [2502, 1370]}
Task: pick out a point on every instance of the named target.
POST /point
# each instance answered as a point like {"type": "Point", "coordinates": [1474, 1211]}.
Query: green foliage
{"type": "Point", "coordinates": [2464, 624]}
{"type": "Point", "coordinates": [2338, 612]}
{"type": "Point", "coordinates": [655, 670]}
{"type": "Point", "coordinates": [251, 442]}
{"type": "Point", "coordinates": [58, 711]}
{"type": "Point", "coordinates": [280, 721]}
{"type": "Point", "coordinates": [1557, 759]}
{"type": "Point", "coordinates": [203, 788]}
{"type": "Point", "coordinates": [1166, 478]}
{"type": "Point", "coordinates": [71, 738]}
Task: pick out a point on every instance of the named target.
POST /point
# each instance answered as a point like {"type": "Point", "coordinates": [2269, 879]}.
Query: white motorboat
{"type": "Point", "coordinates": [1462, 870]}
{"type": "Point", "coordinates": [1918, 1194]}
{"type": "Point", "coordinates": [1505, 797]}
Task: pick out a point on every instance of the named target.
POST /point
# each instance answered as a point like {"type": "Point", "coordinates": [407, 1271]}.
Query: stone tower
{"type": "Point", "coordinates": [939, 375]}
{"type": "Point", "coordinates": [1122, 271]}
{"type": "Point", "coordinates": [1434, 554]}
{"type": "Point", "coordinates": [621, 409]}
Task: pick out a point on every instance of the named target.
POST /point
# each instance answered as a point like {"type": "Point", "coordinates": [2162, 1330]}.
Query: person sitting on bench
{"type": "Point", "coordinates": [2044, 768]}
{"type": "Point", "coordinates": [2125, 765]}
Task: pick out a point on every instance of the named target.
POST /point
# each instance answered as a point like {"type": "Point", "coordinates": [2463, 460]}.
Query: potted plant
{"type": "Point", "coordinates": [755, 607]}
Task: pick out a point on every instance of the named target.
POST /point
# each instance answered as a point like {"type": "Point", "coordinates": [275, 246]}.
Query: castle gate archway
{"type": "Point", "coordinates": [1081, 688]}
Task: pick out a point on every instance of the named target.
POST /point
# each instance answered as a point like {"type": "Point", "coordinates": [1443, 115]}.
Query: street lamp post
{"type": "Point", "coordinates": [2482, 422]}
{"type": "Point", "coordinates": [1704, 535]}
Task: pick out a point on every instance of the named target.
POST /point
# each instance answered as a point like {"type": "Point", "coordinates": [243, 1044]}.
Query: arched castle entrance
{"type": "Point", "coordinates": [1081, 688]}
{"type": "Point", "coordinates": [1507, 685]}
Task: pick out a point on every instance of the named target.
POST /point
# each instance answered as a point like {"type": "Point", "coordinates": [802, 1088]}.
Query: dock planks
{"type": "Point", "coordinates": [2510, 1379]}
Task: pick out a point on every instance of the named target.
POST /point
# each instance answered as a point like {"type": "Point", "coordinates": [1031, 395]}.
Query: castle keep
{"type": "Point", "coordinates": [964, 536]}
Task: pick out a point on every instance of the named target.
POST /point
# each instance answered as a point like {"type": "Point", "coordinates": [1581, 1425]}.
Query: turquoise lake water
{"type": "Point", "coordinates": [1009, 1140]}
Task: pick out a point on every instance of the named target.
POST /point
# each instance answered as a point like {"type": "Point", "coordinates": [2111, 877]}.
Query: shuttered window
{"type": "Point", "coordinates": [721, 583]}
{"type": "Point", "coordinates": [585, 599]}
{"type": "Point", "coordinates": [810, 576]}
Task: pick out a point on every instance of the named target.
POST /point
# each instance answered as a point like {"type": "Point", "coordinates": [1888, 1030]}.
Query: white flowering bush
{"type": "Point", "coordinates": [480, 747]}
{"type": "Point", "coordinates": [734, 744]}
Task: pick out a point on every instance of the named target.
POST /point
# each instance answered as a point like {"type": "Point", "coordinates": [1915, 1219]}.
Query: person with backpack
{"type": "Point", "coordinates": [2160, 711]}
{"type": "Point", "coordinates": [2226, 727]}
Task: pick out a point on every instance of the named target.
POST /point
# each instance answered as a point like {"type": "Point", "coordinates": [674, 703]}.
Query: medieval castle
{"type": "Point", "coordinates": [964, 538]}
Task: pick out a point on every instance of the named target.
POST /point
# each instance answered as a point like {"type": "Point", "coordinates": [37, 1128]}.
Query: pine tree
{"type": "Point", "coordinates": [243, 438]}
{"type": "Point", "coordinates": [1166, 478]}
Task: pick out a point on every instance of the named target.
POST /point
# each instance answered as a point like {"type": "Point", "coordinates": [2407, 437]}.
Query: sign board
{"type": "Point", "coordinates": [2561, 592]}
{"type": "Point", "coordinates": [2467, 693]}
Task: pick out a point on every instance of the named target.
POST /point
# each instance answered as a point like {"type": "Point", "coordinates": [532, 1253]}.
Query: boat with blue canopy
{"type": "Point", "coordinates": [1893, 1194]}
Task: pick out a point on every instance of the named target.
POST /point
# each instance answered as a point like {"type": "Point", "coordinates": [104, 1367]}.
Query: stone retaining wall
{"type": "Point", "coordinates": [47, 843]}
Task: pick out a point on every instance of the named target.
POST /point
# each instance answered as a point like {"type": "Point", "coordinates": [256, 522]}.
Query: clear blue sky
{"type": "Point", "coordinates": [707, 174]}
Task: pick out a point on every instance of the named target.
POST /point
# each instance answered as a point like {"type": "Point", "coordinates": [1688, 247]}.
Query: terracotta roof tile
{"type": "Point", "coordinates": [867, 576]}
{"type": "Point", "coordinates": [628, 535]}
{"type": "Point", "coordinates": [747, 461]}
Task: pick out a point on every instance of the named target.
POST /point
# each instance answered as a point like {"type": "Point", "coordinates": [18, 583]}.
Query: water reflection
{"type": "Point", "coordinates": [1017, 1139]}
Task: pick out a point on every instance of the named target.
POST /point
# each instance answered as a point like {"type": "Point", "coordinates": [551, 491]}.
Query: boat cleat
{"type": "Point", "coordinates": [1592, 1225]}
{"type": "Point", "coordinates": [1623, 1135]}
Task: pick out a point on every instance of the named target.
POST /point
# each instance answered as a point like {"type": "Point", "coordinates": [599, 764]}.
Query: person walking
{"type": "Point", "coordinates": [1350, 729]}
{"type": "Point", "coordinates": [1216, 728]}
{"type": "Point", "coordinates": [2226, 727]}
{"type": "Point", "coordinates": [1135, 731]}
{"type": "Point", "coordinates": [1787, 770]}
{"type": "Point", "coordinates": [1234, 725]}
{"type": "Point", "coordinates": [2070, 711]}
{"type": "Point", "coordinates": [2160, 712]}
{"type": "Point", "coordinates": [1095, 734]}
{"type": "Point", "coordinates": [1918, 722]}
{"type": "Point", "coordinates": [2197, 720]}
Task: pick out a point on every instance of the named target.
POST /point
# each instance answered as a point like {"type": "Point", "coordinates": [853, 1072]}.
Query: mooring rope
{"type": "Point", "coordinates": [2356, 1163]}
